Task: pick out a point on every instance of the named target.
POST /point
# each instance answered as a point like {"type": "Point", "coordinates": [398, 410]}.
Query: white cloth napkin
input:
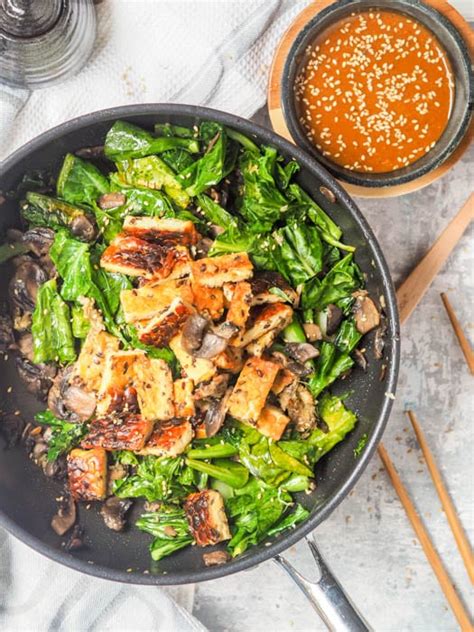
{"type": "Point", "coordinates": [208, 52]}
{"type": "Point", "coordinates": [214, 53]}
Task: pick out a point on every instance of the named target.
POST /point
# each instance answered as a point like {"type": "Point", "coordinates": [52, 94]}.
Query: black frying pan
{"type": "Point", "coordinates": [27, 498]}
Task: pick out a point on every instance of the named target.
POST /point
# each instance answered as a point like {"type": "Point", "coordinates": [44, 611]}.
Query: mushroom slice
{"type": "Point", "coordinates": [216, 558]}
{"type": "Point", "coordinates": [366, 315]}
{"type": "Point", "coordinates": [39, 240]}
{"type": "Point", "coordinates": [37, 378]}
{"type": "Point", "coordinates": [215, 414]}
{"type": "Point", "coordinates": [298, 403]}
{"type": "Point", "coordinates": [23, 289]}
{"type": "Point", "coordinates": [111, 200]}
{"type": "Point", "coordinates": [193, 332]}
{"type": "Point", "coordinates": [312, 331]}
{"type": "Point", "coordinates": [65, 518]}
{"type": "Point", "coordinates": [68, 400]}
{"type": "Point", "coordinates": [213, 389]}
{"type": "Point", "coordinates": [113, 512]}
{"type": "Point", "coordinates": [83, 227]}
{"type": "Point", "coordinates": [333, 315]}
{"type": "Point", "coordinates": [212, 345]}
{"type": "Point", "coordinates": [87, 473]}
{"type": "Point", "coordinates": [169, 438]}
{"type": "Point", "coordinates": [301, 351]}
{"type": "Point", "coordinates": [207, 518]}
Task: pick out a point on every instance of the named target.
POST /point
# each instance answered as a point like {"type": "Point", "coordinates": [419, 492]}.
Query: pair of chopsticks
{"type": "Point", "coordinates": [409, 295]}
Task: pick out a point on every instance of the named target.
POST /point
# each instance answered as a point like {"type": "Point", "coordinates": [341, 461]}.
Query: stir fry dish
{"type": "Point", "coordinates": [182, 306]}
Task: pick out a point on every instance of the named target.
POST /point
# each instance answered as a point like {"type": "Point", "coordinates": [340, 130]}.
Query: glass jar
{"type": "Point", "coordinates": [43, 42]}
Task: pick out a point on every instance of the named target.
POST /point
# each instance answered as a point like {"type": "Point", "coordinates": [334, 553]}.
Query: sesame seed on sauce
{"type": "Point", "coordinates": [376, 90]}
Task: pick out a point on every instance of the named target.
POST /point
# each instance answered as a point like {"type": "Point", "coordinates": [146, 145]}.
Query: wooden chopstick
{"type": "Point", "coordinates": [425, 541]}
{"type": "Point", "coordinates": [409, 295]}
{"type": "Point", "coordinates": [463, 341]}
{"type": "Point", "coordinates": [446, 502]}
{"type": "Point", "coordinates": [414, 287]}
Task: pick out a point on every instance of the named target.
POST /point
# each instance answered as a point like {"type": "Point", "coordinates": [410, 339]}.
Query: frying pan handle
{"type": "Point", "coordinates": [327, 596]}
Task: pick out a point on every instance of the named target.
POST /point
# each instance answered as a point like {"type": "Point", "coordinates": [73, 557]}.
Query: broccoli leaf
{"type": "Point", "coordinates": [155, 479]}
{"type": "Point", "coordinates": [254, 511]}
{"type": "Point", "coordinates": [339, 283]}
{"type": "Point", "coordinates": [64, 436]}
{"type": "Point", "coordinates": [51, 327]}
{"type": "Point", "coordinates": [42, 210]}
{"type": "Point", "coordinates": [124, 141]}
{"type": "Point", "coordinates": [80, 182]}
{"type": "Point", "coordinates": [230, 472]}
{"type": "Point", "coordinates": [262, 203]}
{"type": "Point", "coordinates": [339, 420]}
{"type": "Point", "coordinates": [211, 168]}
{"type": "Point", "coordinates": [151, 172]}
{"type": "Point", "coordinates": [170, 528]}
{"type": "Point", "coordinates": [330, 364]}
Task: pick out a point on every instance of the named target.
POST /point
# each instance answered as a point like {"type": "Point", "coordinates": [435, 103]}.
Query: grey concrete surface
{"type": "Point", "coordinates": [368, 540]}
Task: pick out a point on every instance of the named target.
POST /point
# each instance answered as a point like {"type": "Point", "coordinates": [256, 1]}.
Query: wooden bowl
{"type": "Point", "coordinates": [454, 141]}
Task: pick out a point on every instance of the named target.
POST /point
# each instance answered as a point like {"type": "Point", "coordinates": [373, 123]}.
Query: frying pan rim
{"type": "Point", "coordinates": [257, 555]}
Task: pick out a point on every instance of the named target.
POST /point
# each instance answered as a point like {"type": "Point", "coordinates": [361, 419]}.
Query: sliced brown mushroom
{"type": "Point", "coordinates": [212, 345]}
{"type": "Point", "coordinates": [68, 400]}
{"type": "Point", "coordinates": [76, 540]}
{"type": "Point", "coordinates": [360, 359]}
{"type": "Point", "coordinates": [215, 558]}
{"type": "Point", "coordinates": [39, 240]}
{"type": "Point", "coordinates": [226, 330]}
{"type": "Point", "coordinates": [379, 341]}
{"type": "Point", "coordinates": [36, 377]}
{"type": "Point", "coordinates": [213, 389]}
{"type": "Point", "coordinates": [83, 227]}
{"type": "Point", "coordinates": [23, 289]}
{"type": "Point", "coordinates": [111, 200]}
{"type": "Point", "coordinates": [334, 318]}
{"type": "Point", "coordinates": [366, 315]}
{"type": "Point", "coordinates": [215, 414]}
{"type": "Point", "coordinates": [312, 331]}
{"type": "Point", "coordinates": [193, 332]}
{"type": "Point", "coordinates": [25, 345]}
{"type": "Point", "coordinates": [113, 512]}
{"type": "Point", "coordinates": [65, 517]}
{"type": "Point", "coordinates": [297, 401]}
{"type": "Point", "coordinates": [301, 351]}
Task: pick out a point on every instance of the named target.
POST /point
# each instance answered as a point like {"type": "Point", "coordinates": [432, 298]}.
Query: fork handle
{"type": "Point", "coordinates": [326, 595]}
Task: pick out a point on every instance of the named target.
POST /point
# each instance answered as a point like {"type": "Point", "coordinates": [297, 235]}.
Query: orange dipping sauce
{"type": "Point", "coordinates": [375, 91]}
